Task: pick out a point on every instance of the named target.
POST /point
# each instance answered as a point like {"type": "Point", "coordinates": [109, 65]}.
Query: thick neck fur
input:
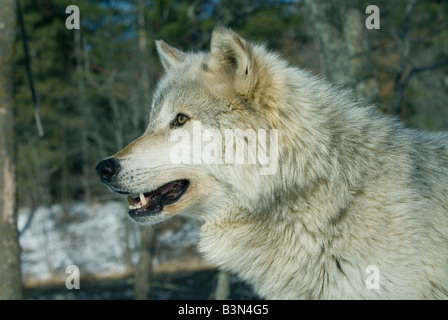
{"type": "Point", "coordinates": [326, 143]}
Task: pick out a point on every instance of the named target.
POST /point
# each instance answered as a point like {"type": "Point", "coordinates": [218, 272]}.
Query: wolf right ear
{"type": "Point", "coordinates": [232, 61]}
{"type": "Point", "coordinates": [169, 56]}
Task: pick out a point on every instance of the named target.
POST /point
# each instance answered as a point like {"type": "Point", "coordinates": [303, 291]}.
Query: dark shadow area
{"type": "Point", "coordinates": [193, 285]}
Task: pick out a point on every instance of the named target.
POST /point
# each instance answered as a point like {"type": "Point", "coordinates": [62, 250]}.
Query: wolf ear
{"type": "Point", "coordinates": [169, 56]}
{"type": "Point", "coordinates": [232, 59]}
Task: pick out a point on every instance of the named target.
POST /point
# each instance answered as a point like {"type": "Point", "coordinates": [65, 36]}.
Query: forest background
{"type": "Point", "coordinates": [94, 85]}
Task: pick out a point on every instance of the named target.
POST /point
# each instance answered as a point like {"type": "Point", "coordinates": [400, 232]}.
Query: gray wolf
{"type": "Point", "coordinates": [357, 207]}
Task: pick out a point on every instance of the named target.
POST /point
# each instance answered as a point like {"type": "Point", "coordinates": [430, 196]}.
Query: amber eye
{"type": "Point", "coordinates": [180, 120]}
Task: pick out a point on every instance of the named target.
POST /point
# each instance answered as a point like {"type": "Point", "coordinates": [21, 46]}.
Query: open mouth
{"type": "Point", "coordinates": [150, 203]}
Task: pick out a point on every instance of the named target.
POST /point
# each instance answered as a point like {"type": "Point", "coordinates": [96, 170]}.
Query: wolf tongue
{"type": "Point", "coordinates": [166, 188]}
{"type": "Point", "coordinates": [156, 197]}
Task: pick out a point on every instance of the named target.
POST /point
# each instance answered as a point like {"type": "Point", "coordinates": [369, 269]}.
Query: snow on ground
{"type": "Point", "coordinates": [98, 238]}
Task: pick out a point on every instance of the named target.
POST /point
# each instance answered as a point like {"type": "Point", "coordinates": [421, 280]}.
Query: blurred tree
{"type": "Point", "coordinates": [10, 276]}
{"type": "Point", "coordinates": [341, 33]}
{"type": "Point", "coordinates": [143, 272]}
{"type": "Point", "coordinates": [40, 161]}
{"type": "Point", "coordinates": [84, 107]}
{"type": "Point", "coordinates": [222, 291]}
{"type": "Point", "coordinates": [406, 42]}
{"type": "Point", "coordinates": [143, 275]}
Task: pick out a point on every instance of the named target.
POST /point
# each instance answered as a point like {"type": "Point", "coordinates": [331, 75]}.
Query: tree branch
{"type": "Point", "coordinates": [426, 68]}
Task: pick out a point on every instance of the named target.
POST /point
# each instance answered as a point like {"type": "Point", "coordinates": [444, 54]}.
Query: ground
{"type": "Point", "coordinates": [182, 285]}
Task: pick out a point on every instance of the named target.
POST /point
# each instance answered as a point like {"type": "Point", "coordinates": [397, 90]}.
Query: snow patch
{"type": "Point", "coordinates": [98, 238]}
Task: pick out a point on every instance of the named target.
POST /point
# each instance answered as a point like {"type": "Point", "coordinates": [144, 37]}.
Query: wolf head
{"type": "Point", "coordinates": [211, 140]}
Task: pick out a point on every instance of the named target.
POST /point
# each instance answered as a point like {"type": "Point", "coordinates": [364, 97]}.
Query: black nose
{"type": "Point", "coordinates": [107, 168]}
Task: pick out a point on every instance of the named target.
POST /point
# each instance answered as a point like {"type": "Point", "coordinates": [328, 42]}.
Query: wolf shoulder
{"type": "Point", "coordinates": [429, 155]}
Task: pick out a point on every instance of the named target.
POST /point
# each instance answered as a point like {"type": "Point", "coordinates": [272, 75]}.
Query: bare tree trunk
{"type": "Point", "coordinates": [10, 276]}
{"type": "Point", "coordinates": [341, 33]}
{"type": "Point", "coordinates": [118, 117]}
{"type": "Point", "coordinates": [400, 83]}
{"type": "Point", "coordinates": [222, 290]}
{"type": "Point", "coordinates": [143, 52]}
{"type": "Point", "coordinates": [84, 108]}
{"type": "Point", "coordinates": [64, 181]}
{"type": "Point", "coordinates": [143, 275]}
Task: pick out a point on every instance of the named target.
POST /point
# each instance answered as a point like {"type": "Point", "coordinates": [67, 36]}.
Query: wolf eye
{"type": "Point", "coordinates": [180, 120]}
